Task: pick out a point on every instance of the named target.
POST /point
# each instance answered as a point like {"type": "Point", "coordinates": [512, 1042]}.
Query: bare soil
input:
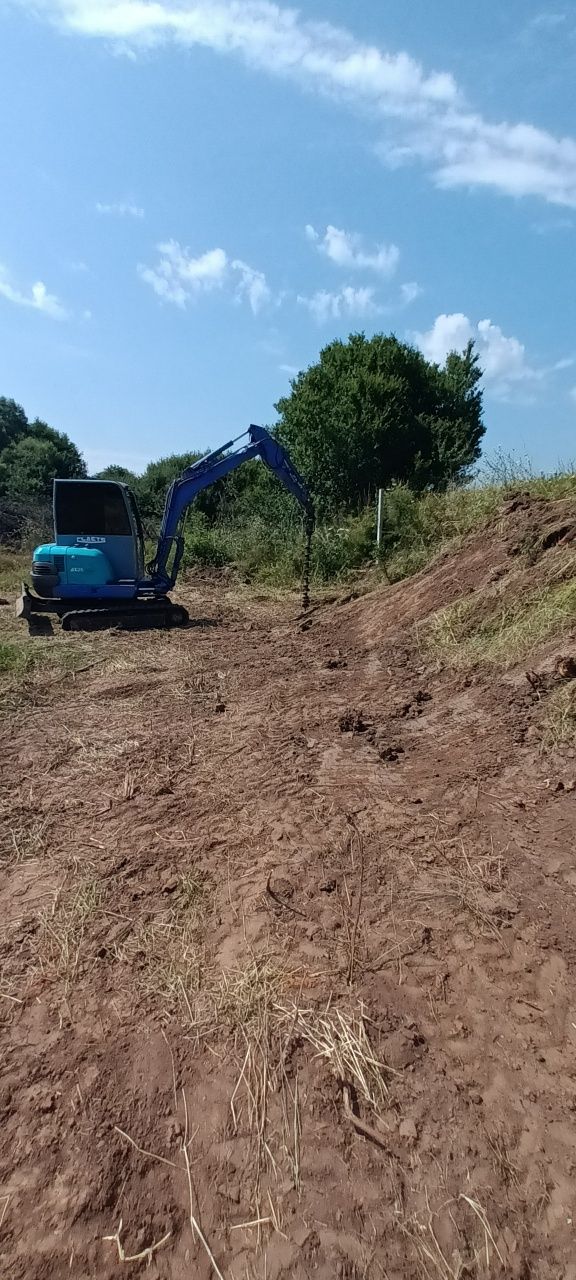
{"type": "Point", "coordinates": [227, 852]}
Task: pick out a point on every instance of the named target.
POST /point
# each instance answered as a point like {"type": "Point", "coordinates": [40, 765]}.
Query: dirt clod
{"type": "Point", "coordinates": [565, 667]}
{"type": "Point", "coordinates": [353, 722]}
{"type": "Point", "coordinates": [391, 754]}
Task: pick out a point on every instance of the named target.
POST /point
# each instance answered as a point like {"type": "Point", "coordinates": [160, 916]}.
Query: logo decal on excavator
{"type": "Point", "coordinates": [81, 539]}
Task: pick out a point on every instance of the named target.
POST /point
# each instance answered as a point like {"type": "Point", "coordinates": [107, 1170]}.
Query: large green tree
{"type": "Point", "coordinates": [152, 486]}
{"type": "Point", "coordinates": [116, 472]}
{"type": "Point", "coordinates": [13, 422]}
{"type": "Point", "coordinates": [374, 411]}
{"type": "Point", "coordinates": [32, 454]}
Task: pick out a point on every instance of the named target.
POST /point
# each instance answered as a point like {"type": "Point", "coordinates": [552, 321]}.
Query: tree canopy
{"type": "Point", "coordinates": [13, 422]}
{"type": "Point", "coordinates": [32, 454]}
{"type": "Point", "coordinates": [373, 412]}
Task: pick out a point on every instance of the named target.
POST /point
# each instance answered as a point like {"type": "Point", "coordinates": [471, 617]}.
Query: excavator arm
{"type": "Point", "coordinates": [207, 471]}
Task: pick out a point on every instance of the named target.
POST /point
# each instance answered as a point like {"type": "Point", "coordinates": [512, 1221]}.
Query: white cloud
{"type": "Point", "coordinates": [410, 291]}
{"type": "Point", "coordinates": [179, 278]}
{"type": "Point", "coordinates": [546, 20]}
{"type": "Point", "coordinates": [346, 249]}
{"type": "Point", "coordinates": [517, 160]}
{"type": "Point", "coordinates": [39, 299]}
{"type": "Point", "coordinates": [324, 306]}
{"type": "Point", "coordinates": [121, 209]}
{"type": "Point", "coordinates": [252, 285]}
{"type": "Point", "coordinates": [291, 369]}
{"type": "Point", "coordinates": [503, 359]}
{"type": "Point", "coordinates": [427, 114]}
{"type": "Point", "coordinates": [448, 333]}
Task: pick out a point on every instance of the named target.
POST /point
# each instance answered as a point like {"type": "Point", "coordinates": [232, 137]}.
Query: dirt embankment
{"type": "Point", "coordinates": [289, 932]}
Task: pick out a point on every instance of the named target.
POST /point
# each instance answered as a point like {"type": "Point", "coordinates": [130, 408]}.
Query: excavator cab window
{"type": "Point", "coordinates": [91, 507]}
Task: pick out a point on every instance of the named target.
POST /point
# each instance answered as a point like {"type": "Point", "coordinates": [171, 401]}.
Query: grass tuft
{"type": "Point", "coordinates": [22, 838]}
{"type": "Point", "coordinates": [341, 1040]}
{"type": "Point", "coordinates": [168, 952]}
{"type": "Point", "coordinates": [559, 724]}
{"type": "Point", "coordinates": [19, 658]}
{"type": "Point", "coordinates": [64, 928]}
{"type": "Point", "coordinates": [501, 631]}
{"type": "Point", "coordinates": [13, 568]}
{"type": "Point", "coordinates": [28, 666]}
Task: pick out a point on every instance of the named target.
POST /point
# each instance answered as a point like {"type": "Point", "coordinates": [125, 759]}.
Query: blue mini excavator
{"type": "Point", "coordinates": [92, 575]}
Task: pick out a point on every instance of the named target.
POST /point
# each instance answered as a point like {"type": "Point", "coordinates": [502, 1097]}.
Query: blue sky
{"type": "Point", "coordinates": [198, 196]}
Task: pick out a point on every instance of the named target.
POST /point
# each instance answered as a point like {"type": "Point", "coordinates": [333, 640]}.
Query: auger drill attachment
{"type": "Point", "coordinates": [309, 530]}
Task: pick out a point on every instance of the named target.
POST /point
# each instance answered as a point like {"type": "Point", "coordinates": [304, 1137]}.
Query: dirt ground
{"type": "Point", "coordinates": [288, 913]}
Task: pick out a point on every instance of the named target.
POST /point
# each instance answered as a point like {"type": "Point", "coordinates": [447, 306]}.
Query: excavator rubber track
{"type": "Point", "coordinates": [147, 613]}
{"type": "Point", "coordinates": [138, 618]}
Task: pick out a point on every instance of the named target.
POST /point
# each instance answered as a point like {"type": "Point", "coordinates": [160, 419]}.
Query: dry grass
{"type": "Point", "coordinates": [145, 1255]}
{"type": "Point", "coordinates": [559, 722]}
{"type": "Point", "coordinates": [29, 668]}
{"type": "Point", "coordinates": [503, 1162]}
{"type": "Point", "coordinates": [341, 1040]}
{"type": "Point", "coordinates": [252, 1004]}
{"type": "Point", "coordinates": [500, 630]}
{"type": "Point", "coordinates": [247, 997]}
{"type": "Point", "coordinates": [433, 1261]}
{"type": "Point", "coordinates": [167, 954]}
{"type": "Point", "coordinates": [265, 1099]}
{"type": "Point", "coordinates": [184, 1166]}
{"type": "Point", "coordinates": [64, 929]}
{"type": "Point", "coordinates": [14, 565]}
{"type": "Point", "coordinates": [475, 886]}
{"type": "Point", "coordinates": [466, 1259]}
{"type": "Point", "coordinates": [23, 836]}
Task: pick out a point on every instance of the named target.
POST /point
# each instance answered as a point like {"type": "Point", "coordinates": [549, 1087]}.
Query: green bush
{"type": "Point", "coordinates": [264, 540]}
{"type": "Point", "coordinates": [274, 553]}
{"type": "Point", "coordinates": [205, 545]}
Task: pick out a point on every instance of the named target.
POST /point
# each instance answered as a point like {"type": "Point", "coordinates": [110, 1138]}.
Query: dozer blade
{"type": "Point", "coordinates": [24, 603]}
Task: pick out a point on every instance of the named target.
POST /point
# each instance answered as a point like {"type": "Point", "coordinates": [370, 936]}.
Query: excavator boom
{"type": "Point", "coordinates": [207, 471]}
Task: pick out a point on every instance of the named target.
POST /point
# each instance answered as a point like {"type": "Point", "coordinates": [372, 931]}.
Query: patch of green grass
{"type": "Point", "coordinates": [29, 666]}
{"type": "Point", "coordinates": [273, 554]}
{"type": "Point", "coordinates": [14, 567]}
{"type": "Point", "coordinates": [20, 658]}
{"type": "Point", "coordinates": [506, 634]}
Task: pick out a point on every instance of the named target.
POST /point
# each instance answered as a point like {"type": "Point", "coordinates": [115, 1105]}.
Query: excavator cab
{"type": "Point", "coordinates": [98, 541]}
{"type": "Point", "coordinates": [102, 514]}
